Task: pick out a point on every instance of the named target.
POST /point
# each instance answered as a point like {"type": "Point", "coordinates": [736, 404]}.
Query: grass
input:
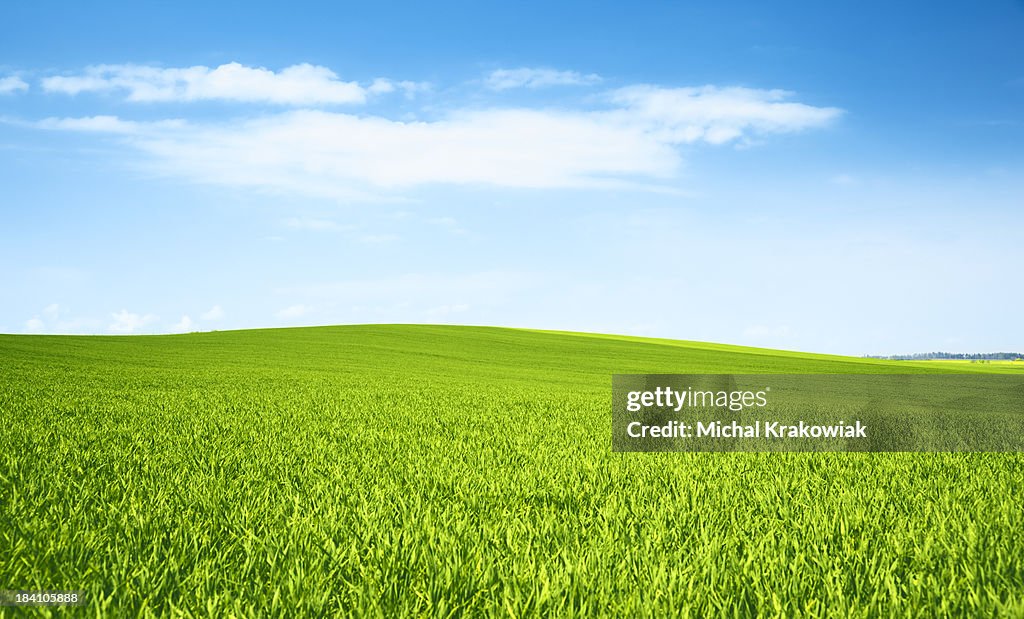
{"type": "Point", "coordinates": [961, 364]}
{"type": "Point", "coordinates": [454, 471]}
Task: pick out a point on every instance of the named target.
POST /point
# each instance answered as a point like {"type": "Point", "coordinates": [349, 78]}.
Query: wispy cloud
{"type": "Point", "coordinates": [716, 115]}
{"type": "Point", "coordinates": [214, 313]}
{"type": "Point", "coordinates": [128, 322]}
{"type": "Point", "coordinates": [12, 84]}
{"type": "Point", "coordinates": [345, 156]}
{"type": "Point", "coordinates": [52, 311]}
{"type": "Point", "coordinates": [383, 85]}
{"type": "Point", "coordinates": [184, 325]}
{"type": "Point", "coordinates": [301, 84]}
{"type": "Point", "coordinates": [504, 79]}
{"type": "Point", "coordinates": [56, 319]}
{"type": "Point", "coordinates": [632, 141]}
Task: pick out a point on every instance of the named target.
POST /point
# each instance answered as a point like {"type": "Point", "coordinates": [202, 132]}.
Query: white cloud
{"type": "Point", "coordinates": [383, 85]}
{"type": "Point", "coordinates": [716, 115]}
{"type": "Point", "coordinates": [294, 311]}
{"type": "Point", "coordinates": [633, 142]}
{"type": "Point", "coordinates": [55, 319]}
{"type": "Point", "coordinates": [127, 322]}
{"type": "Point", "coordinates": [504, 79]}
{"type": "Point", "coordinates": [345, 156]}
{"type": "Point", "coordinates": [12, 84]}
{"type": "Point", "coordinates": [214, 313]}
{"type": "Point", "coordinates": [301, 84]}
{"type": "Point", "coordinates": [52, 311]}
{"type": "Point", "coordinates": [184, 325]}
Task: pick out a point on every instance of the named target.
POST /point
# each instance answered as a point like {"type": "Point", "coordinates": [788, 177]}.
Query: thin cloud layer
{"type": "Point", "coordinates": [12, 84]}
{"type": "Point", "coordinates": [129, 322]}
{"type": "Point", "coordinates": [504, 79]}
{"type": "Point", "coordinates": [184, 325]}
{"type": "Point", "coordinates": [301, 84]}
{"type": "Point", "coordinates": [214, 313]}
{"type": "Point", "coordinates": [347, 156]}
{"type": "Point", "coordinates": [632, 139]}
{"type": "Point", "coordinates": [717, 115]}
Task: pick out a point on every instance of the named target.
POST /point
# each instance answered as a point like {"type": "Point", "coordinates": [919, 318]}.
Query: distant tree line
{"type": "Point", "coordinates": [982, 356]}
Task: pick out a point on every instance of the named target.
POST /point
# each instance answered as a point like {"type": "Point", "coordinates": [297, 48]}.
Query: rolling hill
{"type": "Point", "coordinates": [389, 470]}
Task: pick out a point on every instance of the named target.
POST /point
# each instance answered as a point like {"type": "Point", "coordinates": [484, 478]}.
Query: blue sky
{"type": "Point", "coordinates": [834, 177]}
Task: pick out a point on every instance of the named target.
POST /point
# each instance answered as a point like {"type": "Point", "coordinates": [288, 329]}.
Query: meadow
{"type": "Point", "coordinates": [389, 471]}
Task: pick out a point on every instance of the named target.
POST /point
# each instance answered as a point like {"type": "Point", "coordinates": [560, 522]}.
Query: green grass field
{"type": "Point", "coordinates": [456, 471]}
{"type": "Point", "coordinates": [964, 364]}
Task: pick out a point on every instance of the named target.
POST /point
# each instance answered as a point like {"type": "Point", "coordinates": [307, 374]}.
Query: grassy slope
{"type": "Point", "coordinates": [425, 469]}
